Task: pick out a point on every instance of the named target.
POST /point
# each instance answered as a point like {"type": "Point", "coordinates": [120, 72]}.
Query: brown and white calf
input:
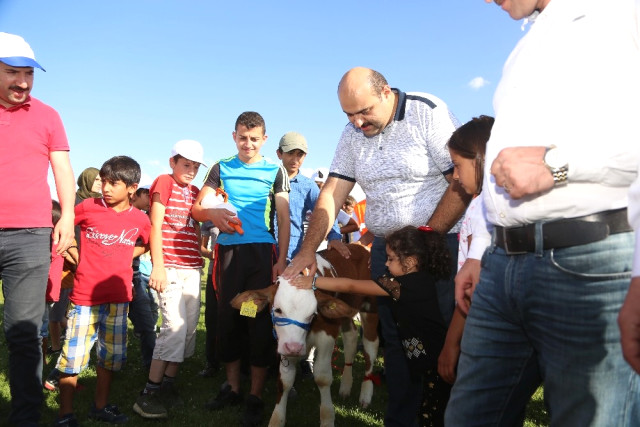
{"type": "Point", "coordinates": [303, 318]}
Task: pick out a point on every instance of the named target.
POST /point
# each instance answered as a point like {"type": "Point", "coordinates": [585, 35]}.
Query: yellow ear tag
{"type": "Point", "coordinates": [248, 309]}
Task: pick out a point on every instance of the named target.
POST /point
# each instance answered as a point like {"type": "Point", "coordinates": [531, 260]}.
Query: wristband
{"type": "Point", "coordinates": [313, 283]}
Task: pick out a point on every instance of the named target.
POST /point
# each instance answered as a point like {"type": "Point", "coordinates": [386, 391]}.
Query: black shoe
{"type": "Point", "coordinates": [306, 369]}
{"type": "Point", "coordinates": [51, 351]}
{"type": "Point", "coordinates": [225, 398]}
{"type": "Point", "coordinates": [209, 371]}
{"type": "Point", "coordinates": [253, 411]}
{"type": "Point", "coordinates": [66, 421]}
{"type": "Point", "coordinates": [110, 414]}
{"type": "Point", "coordinates": [293, 394]}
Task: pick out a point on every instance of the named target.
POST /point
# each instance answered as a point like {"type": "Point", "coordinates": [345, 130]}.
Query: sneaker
{"type": "Point", "coordinates": [66, 421]}
{"type": "Point", "coordinates": [168, 396]}
{"type": "Point", "coordinates": [110, 414]}
{"type": "Point", "coordinates": [148, 406]}
{"type": "Point", "coordinates": [306, 369]}
{"type": "Point", "coordinates": [253, 411]}
{"type": "Point", "coordinates": [52, 381]}
{"type": "Point", "coordinates": [225, 398]}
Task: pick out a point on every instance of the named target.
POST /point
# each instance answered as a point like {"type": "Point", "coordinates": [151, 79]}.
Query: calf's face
{"type": "Point", "coordinates": [293, 310]}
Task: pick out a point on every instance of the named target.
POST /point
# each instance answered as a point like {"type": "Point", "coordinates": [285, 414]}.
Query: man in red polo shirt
{"type": "Point", "coordinates": [31, 138]}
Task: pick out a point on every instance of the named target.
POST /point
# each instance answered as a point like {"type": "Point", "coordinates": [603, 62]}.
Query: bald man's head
{"type": "Point", "coordinates": [360, 78]}
{"type": "Point", "coordinates": [367, 100]}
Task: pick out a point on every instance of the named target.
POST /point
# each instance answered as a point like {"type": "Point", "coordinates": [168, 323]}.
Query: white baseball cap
{"type": "Point", "coordinates": [190, 150]}
{"type": "Point", "coordinates": [16, 52]}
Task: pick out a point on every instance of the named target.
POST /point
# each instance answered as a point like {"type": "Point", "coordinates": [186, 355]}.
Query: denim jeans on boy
{"type": "Point", "coordinates": [548, 317]}
{"type": "Point", "coordinates": [143, 313]}
{"type": "Point", "coordinates": [25, 256]}
{"type": "Point", "coordinates": [404, 391]}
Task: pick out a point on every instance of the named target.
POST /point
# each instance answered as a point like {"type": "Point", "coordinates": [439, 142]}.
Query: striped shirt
{"type": "Point", "coordinates": [180, 245]}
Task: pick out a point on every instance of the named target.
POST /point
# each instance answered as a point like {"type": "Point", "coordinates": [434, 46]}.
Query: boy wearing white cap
{"type": "Point", "coordinates": [32, 137]}
{"type": "Point", "coordinates": [175, 253]}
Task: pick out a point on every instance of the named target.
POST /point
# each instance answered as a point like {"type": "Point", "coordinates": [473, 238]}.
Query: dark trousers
{"type": "Point", "coordinates": [25, 256]}
{"type": "Point", "coordinates": [210, 322]}
{"type": "Point", "coordinates": [143, 313]}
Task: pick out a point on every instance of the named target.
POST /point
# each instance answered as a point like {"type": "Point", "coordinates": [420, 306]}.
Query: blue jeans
{"type": "Point", "coordinates": [548, 317]}
{"type": "Point", "coordinates": [25, 256]}
{"type": "Point", "coordinates": [404, 391]}
{"type": "Point", "coordinates": [143, 313]}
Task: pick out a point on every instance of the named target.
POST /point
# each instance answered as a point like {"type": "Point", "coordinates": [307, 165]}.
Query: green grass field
{"type": "Point", "coordinates": [196, 390]}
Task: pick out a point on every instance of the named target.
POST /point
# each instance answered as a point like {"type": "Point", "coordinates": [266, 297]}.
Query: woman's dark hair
{"type": "Point", "coordinates": [56, 211]}
{"type": "Point", "coordinates": [429, 248]}
{"type": "Point", "coordinates": [470, 142]}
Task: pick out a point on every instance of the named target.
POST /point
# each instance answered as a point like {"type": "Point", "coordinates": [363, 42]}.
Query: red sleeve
{"type": "Point", "coordinates": [79, 212]}
{"type": "Point", "coordinates": [162, 185]}
{"type": "Point", "coordinates": [145, 230]}
{"type": "Point", "coordinates": [58, 137]}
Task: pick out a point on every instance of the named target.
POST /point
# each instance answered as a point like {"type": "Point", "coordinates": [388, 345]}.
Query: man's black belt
{"type": "Point", "coordinates": [563, 233]}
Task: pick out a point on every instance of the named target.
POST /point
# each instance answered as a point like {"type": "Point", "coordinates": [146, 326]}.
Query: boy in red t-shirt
{"type": "Point", "coordinates": [100, 298]}
{"type": "Point", "coordinates": [176, 258]}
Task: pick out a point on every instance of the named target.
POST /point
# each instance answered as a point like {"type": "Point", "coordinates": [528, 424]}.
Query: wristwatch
{"type": "Point", "coordinates": [556, 161]}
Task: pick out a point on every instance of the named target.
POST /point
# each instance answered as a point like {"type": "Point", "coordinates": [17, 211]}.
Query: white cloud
{"type": "Point", "coordinates": [478, 83]}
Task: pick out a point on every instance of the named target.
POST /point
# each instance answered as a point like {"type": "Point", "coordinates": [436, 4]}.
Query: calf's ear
{"type": "Point", "coordinates": [333, 308]}
{"type": "Point", "coordinates": [261, 297]}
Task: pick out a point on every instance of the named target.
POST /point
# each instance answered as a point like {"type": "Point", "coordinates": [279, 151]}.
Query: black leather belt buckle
{"type": "Point", "coordinates": [514, 240]}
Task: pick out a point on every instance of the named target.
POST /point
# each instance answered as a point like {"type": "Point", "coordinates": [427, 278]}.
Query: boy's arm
{"type": "Point", "coordinates": [71, 254]}
{"type": "Point", "coordinates": [158, 278]}
{"type": "Point", "coordinates": [340, 284]}
{"type": "Point", "coordinates": [63, 232]}
{"type": "Point", "coordinates": [350, 227]}
{"type": "Point", "coordinates": [139, 250]}
{"type": "Point", "coordinates": [284, 231]}
{"type": "Point", "coordinates": [204, 247]}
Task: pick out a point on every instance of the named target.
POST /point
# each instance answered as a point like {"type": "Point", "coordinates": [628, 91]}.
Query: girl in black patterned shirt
{"type": "Point", "coordinates": [416, 259]}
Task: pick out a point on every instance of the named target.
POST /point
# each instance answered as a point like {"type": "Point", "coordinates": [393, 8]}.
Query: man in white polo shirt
{"type": "Point", "coordinates": [395, 148]}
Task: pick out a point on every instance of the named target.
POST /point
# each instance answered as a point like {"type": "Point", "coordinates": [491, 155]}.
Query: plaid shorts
{"type": "Point", "coordinates": [104, 323]}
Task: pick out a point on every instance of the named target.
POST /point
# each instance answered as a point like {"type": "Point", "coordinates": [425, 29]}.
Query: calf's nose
{"type": "Point", "coordinates": [293, 348]}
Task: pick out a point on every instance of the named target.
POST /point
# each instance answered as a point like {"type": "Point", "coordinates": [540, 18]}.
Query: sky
{"type": "Point", "coordinates": [132, 77]}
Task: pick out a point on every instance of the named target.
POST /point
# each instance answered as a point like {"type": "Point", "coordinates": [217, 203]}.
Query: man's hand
{"type": "Point", "coordinates": [521, 171]}
{"type": "Point", "coordinates": [339, 246]}
{"type": "Point", "coordinates": [63, 233]}
{"type": "Point", "coordinates": [629, 323]}
{"type": "Point", "coordinates": [466, 281]}
{"type": "Point", "coordinates": [299, 263]}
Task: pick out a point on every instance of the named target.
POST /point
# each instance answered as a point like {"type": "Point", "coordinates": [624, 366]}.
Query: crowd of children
{"type": "Point", "coordinates": [139, 253]}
